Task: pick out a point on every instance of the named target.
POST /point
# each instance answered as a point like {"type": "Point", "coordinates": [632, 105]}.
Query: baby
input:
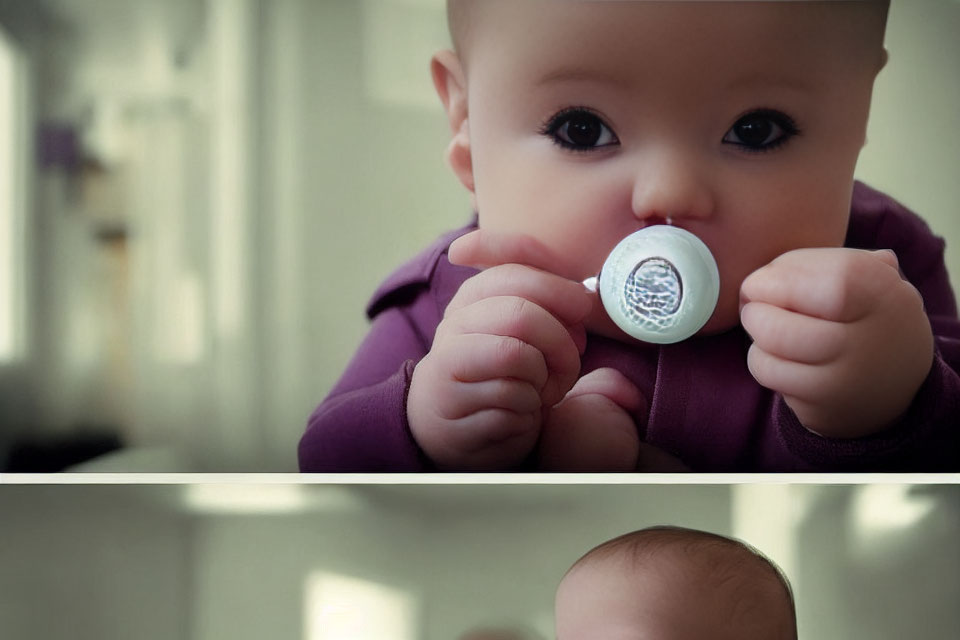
{"type": "Point", "coordinates": [834, 344]}
{"type": "Point", "coordinates": [674, 584]}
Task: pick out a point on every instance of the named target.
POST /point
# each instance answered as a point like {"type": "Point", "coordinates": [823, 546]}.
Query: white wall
{"type": "Point", "coordinates": [299, 184]}
{"type": "Point", "coordinates": [364, 185]}
{"type": "Point", "coordinates": [879, 562]}
{"type": "Point", "coordinates": [91, 563]}
{"type": "Point", "coordinates": [251, 573]}
{"type": "Point", "coordinates": [874, 562]}
{"type": "Point", "coordinates": [913, 139]}
{"type": "Point", "coordinates": [468, 555]}
{"type": "Point", "coordinates": [137, 561]}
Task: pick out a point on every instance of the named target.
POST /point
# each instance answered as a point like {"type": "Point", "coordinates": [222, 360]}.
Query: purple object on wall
{"type": "Point", "coordinates": [58, 146]}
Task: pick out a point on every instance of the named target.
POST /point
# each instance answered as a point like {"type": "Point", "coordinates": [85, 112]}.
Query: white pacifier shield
{"type": "Point", "coordinates": [660, 284]}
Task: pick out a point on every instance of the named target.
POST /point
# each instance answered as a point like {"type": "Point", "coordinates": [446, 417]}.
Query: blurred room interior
{"type": "Point", "coordinates": [428, 562]}
{"type": "Point", "coordinates": [197, 197]}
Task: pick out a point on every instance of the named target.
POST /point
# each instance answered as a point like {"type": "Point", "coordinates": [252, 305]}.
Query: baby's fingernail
{"type": "Point", "coordinates": [890, 253]}
{"type": "Point", "coordinates": [453, 252]}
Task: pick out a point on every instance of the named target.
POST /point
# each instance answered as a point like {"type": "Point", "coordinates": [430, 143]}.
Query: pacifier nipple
{"type": "Point", "coordinates": [660, 284]}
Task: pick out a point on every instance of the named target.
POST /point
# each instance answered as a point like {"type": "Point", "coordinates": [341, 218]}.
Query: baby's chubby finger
{"type": "Point", "coordinates": [788, 377]}
{"type": "Point", "coordinates": [505, 394]}
{"type": "Point", "coordinates": [529, 323]}
{"type": "Point", "coordinates": [483, 248]}
{"type": "Point", "coordinates": [520, 265]}
{"type": "Point", "coordinates": [567, 300]}
{"type": "Point", "coordinates": [793, 336]}
{"type": "Point", "coordinates": [478, 357]}
{"type": "Point", "coordinates": [612, 385]}
{"type": "Point", "coordinates": [593, 429]}
{"type": "Point", "coordinates": [836, 284]}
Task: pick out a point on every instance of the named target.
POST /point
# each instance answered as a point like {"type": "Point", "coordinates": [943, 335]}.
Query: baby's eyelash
{"type": "Point", "coordinates": [554, 120]}
{"type": "Point", "coordinates": [775, 127]}
{"type": "Point", "coordinates": [578, 129]}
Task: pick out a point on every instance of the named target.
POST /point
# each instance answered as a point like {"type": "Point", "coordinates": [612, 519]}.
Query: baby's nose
{"type": "Point", "coordinates": [671, 185]}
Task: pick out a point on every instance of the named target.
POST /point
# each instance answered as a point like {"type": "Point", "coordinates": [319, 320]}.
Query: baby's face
{"type": "Point", "coordinates": [604, 601]}
{"type": "Point", "coordinates": [741, 122]}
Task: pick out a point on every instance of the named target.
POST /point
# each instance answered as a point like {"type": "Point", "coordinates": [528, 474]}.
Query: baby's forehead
{"type": "Point", "coordinates": [472, 21]}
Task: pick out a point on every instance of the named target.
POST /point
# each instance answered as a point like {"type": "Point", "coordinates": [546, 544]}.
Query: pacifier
{"type": "Point", "coordinates": [659, 284]}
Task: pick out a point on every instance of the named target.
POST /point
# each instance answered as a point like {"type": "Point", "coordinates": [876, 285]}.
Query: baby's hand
{"type": "Point", "coordinates": [509, 345]}
{"type": "Point", "coordinates": [840, 335]}
{"type": "Point", "coordinates": [592, 428]}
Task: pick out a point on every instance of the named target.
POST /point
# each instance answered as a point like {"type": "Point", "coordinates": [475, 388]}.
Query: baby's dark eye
{"type": "Point", "coordinates": [579, 129]}
{"type": "Point", "coordinates": [761, 130]}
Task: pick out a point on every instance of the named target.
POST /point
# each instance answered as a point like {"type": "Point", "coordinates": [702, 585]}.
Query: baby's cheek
{"type": "Point", "coordinates": [725, 317]}
{"type": "Point", "coordinates": [727, 314]}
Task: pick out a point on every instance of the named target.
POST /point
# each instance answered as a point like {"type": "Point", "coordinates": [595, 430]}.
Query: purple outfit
{"type": "Point", "coordinates": [705, 407]}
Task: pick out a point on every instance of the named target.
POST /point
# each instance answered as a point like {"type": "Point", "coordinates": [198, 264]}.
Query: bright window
{"type": "Point", "coordinates": [12, 168]}
{"type": "Point", "coordinates": [345, 608]}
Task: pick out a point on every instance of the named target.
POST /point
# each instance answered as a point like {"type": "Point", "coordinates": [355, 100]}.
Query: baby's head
{"type": "Point", "coordinates": [674, 584]}
{"type": "Point", "coordinates": [580, 122]}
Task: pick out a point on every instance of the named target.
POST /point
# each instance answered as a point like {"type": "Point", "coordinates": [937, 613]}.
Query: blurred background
{"type": "Point", "coordinates": [197, 198]}
{"type": "Point", "coordinates": [428, 562]}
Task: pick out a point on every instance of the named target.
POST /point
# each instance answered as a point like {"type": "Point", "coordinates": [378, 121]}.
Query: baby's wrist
{"type": "Point", "coordinates": [856, 419]}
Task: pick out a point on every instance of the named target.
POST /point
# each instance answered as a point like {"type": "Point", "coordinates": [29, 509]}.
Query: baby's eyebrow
{"type": "Point", "coordinates": [750, 80]}
{"type": "Point", "coordinates": [577, 74]}
{"type": "Point", "coordinates": [764, 80]}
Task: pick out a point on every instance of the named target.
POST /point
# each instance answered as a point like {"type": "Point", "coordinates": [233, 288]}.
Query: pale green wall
{"type": "Point", "coordinates": [92, 563]}
{"type": "Point", "coordinates": [101, 562]}
{"type": "Point", "coordinates": [367, 141]}
{"type": "Point", "coordinates": [913, 141]}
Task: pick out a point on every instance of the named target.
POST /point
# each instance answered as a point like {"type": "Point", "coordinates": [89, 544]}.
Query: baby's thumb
{"type": "Point", "coordinates": [611, 384]}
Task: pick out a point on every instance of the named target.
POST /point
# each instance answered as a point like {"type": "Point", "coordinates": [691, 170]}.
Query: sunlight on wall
{"type": "Point", "coordinates": [11, 206]}
{"type": "Point", "coordinates": [242, 499]}
{"type": "Point", "coordinates": [180, 332]}
{"type": "Point", "coordinates": [245, 498]}
{"type": "Point", "coordinates": [885, 507]}
{"type": "Point", "coordinates": [178, 324]}
{"type": "Point", "coordinates": [340, 607]}
{"type": "Point", "coordinates": [231, 39]}
{"type": "Point", "coordinates": [766, 516]}
{"type": "Point", "coordinates": [882, 514]}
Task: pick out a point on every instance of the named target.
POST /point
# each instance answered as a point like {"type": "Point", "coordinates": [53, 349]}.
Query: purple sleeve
{"type": "Point", "coordinates": [362, 424]}
{"type": "Point", "coordinates": [927, 437]}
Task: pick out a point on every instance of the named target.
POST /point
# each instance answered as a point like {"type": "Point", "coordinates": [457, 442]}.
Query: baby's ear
{"type": "Point", "coordinates": [884, 59]}
{"type": "Point", "coordinates": [451, 86]}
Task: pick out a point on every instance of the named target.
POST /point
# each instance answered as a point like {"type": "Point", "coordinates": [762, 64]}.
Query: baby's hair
{"type": "Point", "coordinates": [723, 557]}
